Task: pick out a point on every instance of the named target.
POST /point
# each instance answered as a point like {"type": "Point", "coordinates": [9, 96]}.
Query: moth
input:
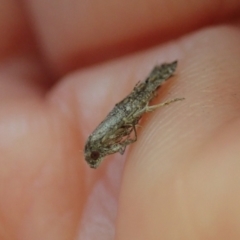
{"type": "Point", "coordinates": [118, 129]}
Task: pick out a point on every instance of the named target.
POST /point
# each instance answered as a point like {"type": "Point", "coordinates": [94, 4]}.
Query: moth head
{"type": "Point", "coordinates": [93, 156]}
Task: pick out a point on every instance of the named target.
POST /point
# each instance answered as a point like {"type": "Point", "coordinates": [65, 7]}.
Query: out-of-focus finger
{"type": "Point", "coordinates": [75, 33]}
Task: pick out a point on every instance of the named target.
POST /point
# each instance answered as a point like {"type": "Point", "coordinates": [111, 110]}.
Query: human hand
{"type": "Point", "coordinates": [63, 67]}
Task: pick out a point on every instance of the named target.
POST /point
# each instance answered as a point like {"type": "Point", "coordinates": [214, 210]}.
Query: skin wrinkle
{"type": "Point", "coordinates": [129, 202]}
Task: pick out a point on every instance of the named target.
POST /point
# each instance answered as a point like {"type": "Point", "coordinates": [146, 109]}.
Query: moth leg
{"type": "Point", "coordinates": [128, 141]}
{"type": "Point", "coordinates": [152, 108]}
{"type": "Point", "coordinates": [114, 149]}
{"type": "Point", "coordinates": [122, 149]}
{"type": "Point", "coordinates": [139, 113]}
{"type": "Point", "coordinates": [121, 146]}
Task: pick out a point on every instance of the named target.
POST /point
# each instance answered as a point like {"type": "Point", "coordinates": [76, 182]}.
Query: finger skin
{"type": "Point", "coordinates": [41, 190]}
{"type": "Point", "coordinates": [45, 142]}
{"type": "Point", "coordinates": [171, 140]}
{"type": "Point", "coordinates": [74, 34]}
{"type": "Point", "coordinates": [182, 177]}
{"type": "Point", "coordinates": [46, 185]}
